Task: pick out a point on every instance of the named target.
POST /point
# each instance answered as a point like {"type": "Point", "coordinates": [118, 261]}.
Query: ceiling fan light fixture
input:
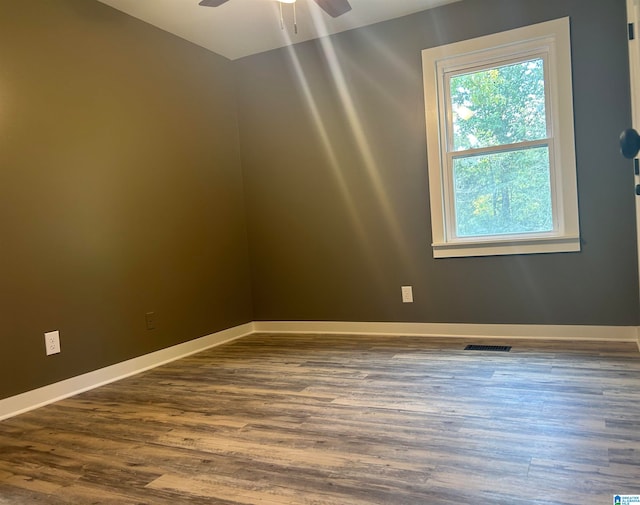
{"type": "Point", "coordinates": [334, 8]}
{"type": "Point", "coordinates": [295, 18]}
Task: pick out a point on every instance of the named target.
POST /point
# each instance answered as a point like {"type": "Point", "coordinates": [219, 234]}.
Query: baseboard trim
{"type": "Point", "coordinates": [40, 397]}
{"type": "Point", "coordinates": [513, 331]}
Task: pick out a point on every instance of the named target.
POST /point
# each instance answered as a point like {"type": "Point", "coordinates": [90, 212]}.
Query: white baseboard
{"type": "Point", "coordinates": [513, 331]}
{"type": "Point", "coordinates": [31, 400]}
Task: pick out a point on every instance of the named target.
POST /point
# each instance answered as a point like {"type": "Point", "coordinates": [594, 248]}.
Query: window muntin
{"type": "Point", "coordinates": [500, 143]}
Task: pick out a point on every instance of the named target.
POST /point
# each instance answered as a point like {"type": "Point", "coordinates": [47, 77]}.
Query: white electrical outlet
{"type": "Point", "coordinates": [52, 342]}
{"type": "Point", "coordinates": [407, 294]}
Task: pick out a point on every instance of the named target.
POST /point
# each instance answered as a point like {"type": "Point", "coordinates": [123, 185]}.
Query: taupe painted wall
{"type": "Point", "coordinates": [120, 191]}
{"type": "Point", "coordinates": [335, 174]}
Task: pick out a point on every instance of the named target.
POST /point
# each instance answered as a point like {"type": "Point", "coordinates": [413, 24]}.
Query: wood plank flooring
{"type": "Point", "coordinates": [337, 420]}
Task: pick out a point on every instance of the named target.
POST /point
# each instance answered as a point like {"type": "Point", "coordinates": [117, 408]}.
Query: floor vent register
{"type": "Point", "coordinates": [499, 348]}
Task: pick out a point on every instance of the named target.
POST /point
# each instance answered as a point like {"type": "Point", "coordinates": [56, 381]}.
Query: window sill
{"type": "Point", "coordinates": [504, 247]}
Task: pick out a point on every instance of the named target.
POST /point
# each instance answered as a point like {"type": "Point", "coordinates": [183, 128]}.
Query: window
{"type": "Point", "coordinates": [501, 153]}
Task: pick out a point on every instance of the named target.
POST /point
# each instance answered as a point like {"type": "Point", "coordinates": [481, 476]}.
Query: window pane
{"type": "Point", "coordinates": [498, 106]}
{"type": "Point", "coordinates": [500, 193]}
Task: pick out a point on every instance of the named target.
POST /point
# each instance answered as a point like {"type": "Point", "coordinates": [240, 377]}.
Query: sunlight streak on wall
{"type": "Point", "coordinates": [362, 141]}
{"type": "Point", "coordinates": [330, 153]}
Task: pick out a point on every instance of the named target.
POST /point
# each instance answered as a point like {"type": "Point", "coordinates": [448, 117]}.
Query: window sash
{"type": "Point", "coordinates": [553, 39]}
{"type": "Point", "coordinates": [449, 71]}
{"type": "Point", "coordinates": [451, 226]}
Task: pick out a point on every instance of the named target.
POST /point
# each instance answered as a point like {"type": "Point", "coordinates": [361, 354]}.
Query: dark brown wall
{"type": "Point", "coordinates": [336, 179]}
{"type": "Point", "coordinates": [120, 191]}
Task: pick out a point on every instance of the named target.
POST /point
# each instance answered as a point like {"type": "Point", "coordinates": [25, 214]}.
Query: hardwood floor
{"type": "Point", "coordinates": [275, 420]}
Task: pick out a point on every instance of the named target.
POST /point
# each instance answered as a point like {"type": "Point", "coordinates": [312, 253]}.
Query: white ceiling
{"type": "Point", "coordinates": [242, 27]}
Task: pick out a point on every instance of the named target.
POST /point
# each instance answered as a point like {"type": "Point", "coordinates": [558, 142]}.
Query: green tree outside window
{"type": "Point", "coordinates": [505, 190]}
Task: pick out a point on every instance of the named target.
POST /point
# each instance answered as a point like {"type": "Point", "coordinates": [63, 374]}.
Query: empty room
{"type": "Point", "coordinates": [339, 252]}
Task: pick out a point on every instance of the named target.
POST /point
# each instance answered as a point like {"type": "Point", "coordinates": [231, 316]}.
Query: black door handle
{"type": "Point", "coordinates": [629, 143]}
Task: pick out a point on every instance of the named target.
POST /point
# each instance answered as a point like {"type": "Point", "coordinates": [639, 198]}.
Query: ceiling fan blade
{"type": "Point", "coordinates": [212, 3]}
{"type": "Point", "coordinates": [334, 8]}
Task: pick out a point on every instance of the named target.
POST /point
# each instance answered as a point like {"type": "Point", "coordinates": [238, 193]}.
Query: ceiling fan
{"type": "Point", "coordinates": [334, 8]}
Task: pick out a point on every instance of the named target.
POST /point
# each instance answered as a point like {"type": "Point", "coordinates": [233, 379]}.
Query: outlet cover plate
{"type": "Point", "coordinates": [407, 294]}
{"type": "Point", "coordinates": [52, 342]}
{"type": "Point", "coordinates": [150, 320]}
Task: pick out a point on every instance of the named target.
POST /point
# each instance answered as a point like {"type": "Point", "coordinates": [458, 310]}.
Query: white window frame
{"type": "Point", "coordinates": [551, 41]}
